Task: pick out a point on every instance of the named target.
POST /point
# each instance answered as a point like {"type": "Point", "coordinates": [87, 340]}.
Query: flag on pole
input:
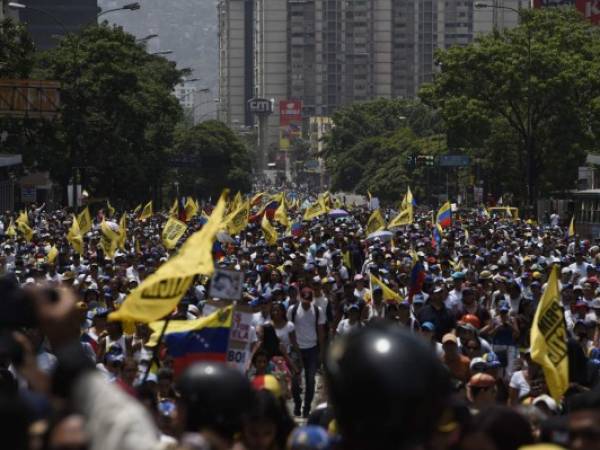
{"type": "Point", "coordinates": [417, 276]}
{"type": "Point", "coordinates": [237, 220]}
{"type": "Point", "coordinates": [408, 199]}
{"type": "Point", "coordinates": [122, 231]}
{"type": "Point", "coordinates": [172, 232]}
{"type": "Point", "coordinates": [11, 231]}
{"type": "Point", "coordinates": [571, 231]}
{"type": "Point", "coordinates": [174, 210]}
{"type": "Point", "coordinates": [281, 214]}
{"type": "Point", "coordinates": [84, 219]}
{"type": "Point", "coordinates": [388, 293]}
{"type": "Point", "coordinates": [109, 208]}
{"type": "Point", "coordinates": [147, 211]}
{"type": "Point", "coordinates": [25, 230]}
{"type": "Point", "coordinates": [109, 238]}
{"type": "Point", "coordinates": [444, 216]}
{"type": "Point", "coordinates": [190, 341]}
{"type": "Point", "coordinates": [269, 231]}
{"type": "Point", "coordinates": [405, 217]}
{"type": "Point", "coordinates": [549, 338]}
{"type": "Point", "coordinates": [74, 236]}
{"type": "Point", "coordinates": [375, 223]}
{"type": "Point", "coordinates": [158, 294]}
{"type": "Point", "coordinates": [52, 254]}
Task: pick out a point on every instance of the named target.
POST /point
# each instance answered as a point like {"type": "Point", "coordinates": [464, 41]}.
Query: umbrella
{"type": "Point", "coordinates": [384, 235]}
{"type": "Point", "coordinates": [225, 238]}
{"type": "Point", "coordinates": [338, 213]}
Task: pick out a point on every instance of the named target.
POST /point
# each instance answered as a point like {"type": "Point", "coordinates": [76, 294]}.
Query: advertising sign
{"type": "Point", "coordinates": [290, 122]}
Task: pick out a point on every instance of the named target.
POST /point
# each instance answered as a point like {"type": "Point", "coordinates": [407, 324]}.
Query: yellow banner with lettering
{"type": "Point", "coordinates": [172, 232]}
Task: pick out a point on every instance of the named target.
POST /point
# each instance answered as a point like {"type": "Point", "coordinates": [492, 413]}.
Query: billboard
{"type": "Point", "coordinates": [35, 99]}
{"type": "Point", "coordinates": [290, 122]}
{"type": "Point", "coordinates": [589, 8]}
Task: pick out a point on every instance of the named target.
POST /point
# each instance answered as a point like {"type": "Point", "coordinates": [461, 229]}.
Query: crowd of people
{"type": "Point", "coordinates": [336, 361]}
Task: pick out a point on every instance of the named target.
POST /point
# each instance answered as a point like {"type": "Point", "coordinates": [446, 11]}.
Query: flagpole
{"type": "Point", "coordinates": [156, 350]}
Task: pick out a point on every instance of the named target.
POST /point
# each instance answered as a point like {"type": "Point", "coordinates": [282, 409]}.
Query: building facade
{"type": "Point", "coordinates": [330, 53]}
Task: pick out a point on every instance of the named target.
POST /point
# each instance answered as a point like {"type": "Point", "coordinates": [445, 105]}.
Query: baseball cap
{"type": "Point", "coordinates": [478, 365]}
{"type": "Point", "coordinates": [492, 360]}
{"type": "Point", "coordinates": [429, 326]}
{"type": "Point", "coordinates": [449, 337]}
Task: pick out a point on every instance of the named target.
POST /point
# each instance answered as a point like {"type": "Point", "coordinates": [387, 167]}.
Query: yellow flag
{"type": "Point", "coordinates": [174, 211]}
{"type": "Point", "coordinates": [337, 203]}
{"type": "Point", "coordinates": [74, 236]}
{"type": "Point", "coordinates": [122, 232]}
{"type": "Point", "coordinates": [388, 293]}
{"type": "Point", "coordinates": [407, 200]}
{"type": "Point", "coordinates": [571, 232]}
{"type": "Point", "coordinates": [25, 230]}
{"type": "Point", "coordinates": [10, 231]}
{"type": "Point", "coordinates": [137, 209]}
{"type": "Point", "coordinates": [111, 211]}
{"type": "Point", "coordinates": [191, 209]}
{"type": "Point", "coordinates": [375, 222]}
{"type": "Point", "coordinates": [317, 209]}
{"type": "Point", "coordinates": [109, 239]}
{"type": "Point", "coordinates": [52, 254]}
{"type": "Point", "coordinates": [84, 219]}
{"type": "Point", "coordinates": [23, 218]}
{"type": "Point", "coordinates": [237, 220]}
{"type": "Point", "coordinates": [147, 211]}
{"type": "Point", "coordinates": [405, 217]}
{"type": "Point", "coordinates": [237, 201]}
{"type": "Point", "coordinates": [281, 215]}
{"type": "Point", "coordinates": [158, 294]}
{"type": "Point", "coordinates": [549, 338]}
{"type": "Point", "coordinates": [172, 232]}
{"type": "Point", "coordinates": [257, 198]}
{"type": "Point", "coordinates": [268, 230]}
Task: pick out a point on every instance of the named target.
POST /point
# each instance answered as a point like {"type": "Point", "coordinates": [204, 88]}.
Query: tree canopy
{"type": "Point", "coordinates": [372, 142]}
{"type": "Point", "coordinates": [524, 102]}
{"type": "Point", "coordinates": [212, 158]}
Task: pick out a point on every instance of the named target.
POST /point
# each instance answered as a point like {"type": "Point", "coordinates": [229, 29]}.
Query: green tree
{"type": "Point", "coordinates": [212, 157]}
{"type": "Point", "coordinates": [524, 102]}
{"type": "Point", "coordinates": [16, 50]}
{"type": "Point", "coordinates": [371, 143]}
{"type": "Point", "coordinates": [117, 116]}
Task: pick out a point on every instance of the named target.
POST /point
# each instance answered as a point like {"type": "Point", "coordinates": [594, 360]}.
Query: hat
{"type": "Point", "coordinates": [547, 400]}
{"type": "Point", "coordinates": [418, 299]}
{"type": "Point", "coordinates": [478, 365]}
{"type": "Point", "coordinates": [485, 275]}
{"type": "Point", "coordinates": [504, 307]}
{"type": "Point", "coordinates": [358, 277]}
{"type": "Point", "coordinates": [482, 380]}
{"type": "Point", "coordinates": [449, 337]}
{"type": "Point", "coordinates": [429, 326]}
{"type": "Point", "coordinates": [68, 276]}
{"type": "Point", "coordinates": [458, 276]}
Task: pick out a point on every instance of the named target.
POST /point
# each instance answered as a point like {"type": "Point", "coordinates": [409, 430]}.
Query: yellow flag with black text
{"type": "Point", "coordinates": [84, 219]}
{"type": "Point", "coordinates": [316, 209]}
{"type": "Point", "coordinates": [405, 217]}
{"type": "Point", "coordinates": [172, 232]}
{"type": "Point", "coordinates": [160, 293]}
{"type": "Point", "coordinates": [549, 338]}
{"type": "Point", "coordinates": [109, 239]}
{"type": "Point", "coordinates": [74, 236]}
{"type": "Point", "coordinates": [111, 211]}
{"type": "Point", "coordinates": [147, 211]}
{"type": "Point", "coordinates": [269, 231]}
{"type": "Point", "coordinates": [375, 223]}
{"type": "Point", "coordinates": [237, 220]}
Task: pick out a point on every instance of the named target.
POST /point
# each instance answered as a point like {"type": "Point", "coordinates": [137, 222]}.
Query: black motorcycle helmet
{"type": "Point", "coordinates": [387, 388]}
{"type": "Point", "coordinates": [214, 397]}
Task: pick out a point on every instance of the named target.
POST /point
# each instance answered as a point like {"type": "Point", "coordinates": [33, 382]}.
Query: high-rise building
{"type": "Point", "coordinates": [329, 53]}
{"type": "Point", "coordinates": [48, 20]}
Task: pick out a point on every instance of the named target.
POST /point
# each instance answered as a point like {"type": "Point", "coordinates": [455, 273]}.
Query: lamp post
{"type": "Point", "coordinates": [164, 52]}
{"type": "Point", "coordinates": [146, 38]}
{"type": "Point", "coordinates": [531, 185]}
{"type": "Point", "coordinates": [128, 7]}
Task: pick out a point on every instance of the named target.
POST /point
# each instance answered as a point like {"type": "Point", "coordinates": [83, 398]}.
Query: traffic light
{"type": "Point", "coordinates": [425, 161]}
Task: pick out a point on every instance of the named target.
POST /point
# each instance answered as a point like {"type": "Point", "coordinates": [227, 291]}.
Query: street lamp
{"type": "Point", "coordinates": [165, 52]}
{"type": "Point", "coordinates": [61, 24]}
{"type": "Point", "coordinates": [128, 7]}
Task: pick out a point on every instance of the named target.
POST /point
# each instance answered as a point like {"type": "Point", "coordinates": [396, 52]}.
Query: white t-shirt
{"type": "Point", "coordinates": [306, 328]}
{"type": "Point", "coordinates": [345, 326]}
{"type": "Point", "coordinates": [518, 382]}
{"type": "Point", "coordinates": [283, 334]}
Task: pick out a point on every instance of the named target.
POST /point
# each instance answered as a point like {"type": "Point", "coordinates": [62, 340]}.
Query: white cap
{"type": "Point", "coordinates": [549, 401]}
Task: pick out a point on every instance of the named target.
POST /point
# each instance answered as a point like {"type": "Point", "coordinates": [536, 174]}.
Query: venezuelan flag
{"type": "Point", "coordinates": [444, 216]}
{"type": "Point", "coordinates": [297, 229]}
{"type": "Point", "coordinates": [189, 341]}
{"type": "Point", "coordinates": [436, 235]}
{"type": "Point", "coordinates": [417, 276]}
